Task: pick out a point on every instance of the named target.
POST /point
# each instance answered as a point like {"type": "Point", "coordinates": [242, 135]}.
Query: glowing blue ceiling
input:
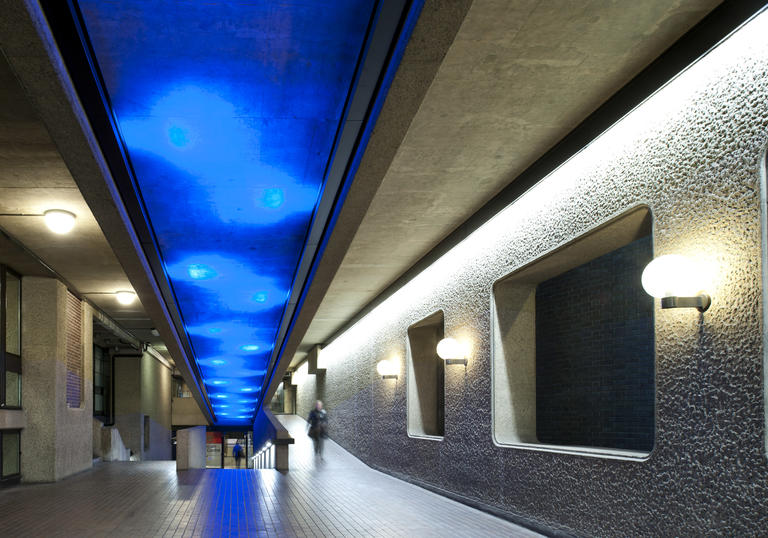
{"type": "Point", "coordinates": [228, 112]}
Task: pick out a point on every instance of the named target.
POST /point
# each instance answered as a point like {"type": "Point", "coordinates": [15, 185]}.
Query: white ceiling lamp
{"type": "Point", "coordinates": [59, 221]}
{"type": "Point", "coordinates": [125, 297]}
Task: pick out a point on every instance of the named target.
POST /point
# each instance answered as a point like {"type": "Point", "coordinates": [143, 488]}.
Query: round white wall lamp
{"type": "Point", "coordinates": [125, 297]}
{"type": "Point", "coordinates": [452, 351]}
{"type": "Point", "coordinates": [59, 221]}
{"type": "Point", "coordinates": [676, 281]}
{"type": "Point", "coordinates": [387, 369]}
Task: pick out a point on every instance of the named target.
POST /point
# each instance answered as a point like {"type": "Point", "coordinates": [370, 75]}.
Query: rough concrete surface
{"type": "Point", "coordinates": [57, 439]}
{"type": "Point", "coordinates": [693, 154]}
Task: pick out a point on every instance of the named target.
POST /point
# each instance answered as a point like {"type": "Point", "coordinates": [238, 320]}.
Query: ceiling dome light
{"type": "Point", "coordinates": [59, 221]}
{"type": "Point", "coordinates": [125, 297]}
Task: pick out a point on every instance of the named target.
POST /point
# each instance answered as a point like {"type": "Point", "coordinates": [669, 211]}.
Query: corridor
{"type": "Point", "coordinates": [341, 497]}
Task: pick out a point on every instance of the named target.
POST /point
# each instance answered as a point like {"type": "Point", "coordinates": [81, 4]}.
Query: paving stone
{"type": "Point", "coordinates": [338, 497]}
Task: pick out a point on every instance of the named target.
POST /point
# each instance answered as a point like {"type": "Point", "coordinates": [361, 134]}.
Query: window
{"type": "Point", "coordinates": [426, 378]}
{"type": "Point", "coordinates": [74, 352]}
{"type": "Point", "coordinates": [10, 455]}
{"type": "Point", "coordinates": [102, 385]}
{"type": "Point", "coordinates": [10, 339]}
{"type": "Point", "coordinates": [180, 388]}
{"type": "Point", "coordinates": [147, 432]}
{"type": "Point", "coordinates": [573, 346]}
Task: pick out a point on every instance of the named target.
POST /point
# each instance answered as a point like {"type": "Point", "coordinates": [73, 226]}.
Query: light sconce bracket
{"type": "Point", "coordinates": [701, 302]}
{"type": "Point", "coordinates": [389, 376]}
{"type": "Point", "coordinates": [463, 361]}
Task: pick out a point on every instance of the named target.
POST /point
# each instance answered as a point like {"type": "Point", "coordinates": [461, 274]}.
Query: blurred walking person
{"type": "Point", "coordinates": [318, 428]}
{"type": "Point", "coordinates": [237, 452]}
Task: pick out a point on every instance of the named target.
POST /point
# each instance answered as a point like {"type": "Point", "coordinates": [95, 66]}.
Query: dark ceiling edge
{"type": "Point", "coordinates": [431, 37]}
{"type": "Point", "coordinates": [29, 46]}
{"type": "Point", "coordinates": [695, 43]}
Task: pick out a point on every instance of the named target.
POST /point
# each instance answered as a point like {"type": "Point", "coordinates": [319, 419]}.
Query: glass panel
{"type": "Point", "coordinates": [232, 440]}
{"type": "Point", "coordinates": [11, 441]}
{"type": "Point", "coordinates": [98, 404]}
{"type": "Point", "coordinates": [213, 449]}
{"type": "Point", "coordinates": [12, 389]}
{"type": "Point", "coordinates": [13, 314]}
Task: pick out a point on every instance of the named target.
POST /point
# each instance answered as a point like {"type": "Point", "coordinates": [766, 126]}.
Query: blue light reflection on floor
{"type": "Point", "coordinates": [228, 113]}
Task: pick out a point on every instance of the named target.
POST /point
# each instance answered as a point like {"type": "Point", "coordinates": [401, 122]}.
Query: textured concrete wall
{"type": "Point", "coordinates": [57, 440]}
{"type": "Point", "coordinates": [693, 154]}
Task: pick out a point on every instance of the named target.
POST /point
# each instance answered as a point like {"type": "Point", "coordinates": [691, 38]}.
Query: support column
{"type": "Point", "coordinates": [57, 440]}
{"type": "Point", "coordinates": [190, 448]}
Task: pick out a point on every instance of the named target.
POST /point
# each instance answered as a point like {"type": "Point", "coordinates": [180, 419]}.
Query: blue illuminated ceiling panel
{"type": "Point", "coordinates": [228, 113]}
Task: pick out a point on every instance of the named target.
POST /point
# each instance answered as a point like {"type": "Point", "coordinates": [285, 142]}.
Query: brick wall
{"type": "Point", "coordinates": [595, 354]}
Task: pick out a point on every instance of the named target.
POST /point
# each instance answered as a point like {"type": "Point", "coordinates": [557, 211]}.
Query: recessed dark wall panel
{"type": "Point", "coordinates": [594, 354]}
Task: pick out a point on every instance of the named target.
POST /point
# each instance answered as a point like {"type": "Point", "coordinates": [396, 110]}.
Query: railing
{"type": "Point", "coordinates": [274, 439]}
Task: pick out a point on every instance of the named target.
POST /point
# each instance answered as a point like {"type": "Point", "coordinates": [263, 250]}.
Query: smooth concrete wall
{"type": "Point", "coordinates": [693, 154]}
{"type": "Point", "coordinates": [143, 388]}
{"type": "Point", "coordinates": [57, 440]}
{"type": "Point", "coordinates": [186, 412]}
{"type": "Point", "coordinates": [156, 402]}
{"type": "Point", "coordinates": [128, 420]}
{"type": "Point", "coordinates": [190, 448]}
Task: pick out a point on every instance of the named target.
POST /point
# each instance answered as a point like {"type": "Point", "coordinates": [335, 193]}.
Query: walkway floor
{"type": "Point", "coordinates": [341, 497]}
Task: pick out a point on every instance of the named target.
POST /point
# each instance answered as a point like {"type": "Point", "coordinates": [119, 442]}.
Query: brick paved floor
{"type": "Point", "coordinates": [341, 497]}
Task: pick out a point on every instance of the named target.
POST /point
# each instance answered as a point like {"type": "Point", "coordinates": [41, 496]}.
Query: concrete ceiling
{"type": "Point", "coordinates": [517, 78]}
{"type": "Point", "coordinates": [34, 178]}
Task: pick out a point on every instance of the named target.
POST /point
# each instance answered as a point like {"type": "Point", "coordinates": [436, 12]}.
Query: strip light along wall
{"type": "Point", "coordinates": [531, 223]}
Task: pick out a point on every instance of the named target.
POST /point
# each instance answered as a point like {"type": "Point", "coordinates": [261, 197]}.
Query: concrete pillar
{"type": "Point", "coordinates": [143, 405]}
{"type": "Point", "coordinates": [57, 440]}
{"type": "Point", "coordinates": [190, 448]}
{"type": "Point", "coordinates": [281, 457]}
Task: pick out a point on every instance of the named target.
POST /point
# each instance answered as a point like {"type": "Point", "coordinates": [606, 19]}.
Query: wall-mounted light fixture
{"type": "Point", "coordinates": [452, 351]}
{"type": "Point", "coordinates": [387, 369]}
{"type": "Point", "coordinates": [676, 281]}
{"type": "Point", "coordinates": [59, 221]}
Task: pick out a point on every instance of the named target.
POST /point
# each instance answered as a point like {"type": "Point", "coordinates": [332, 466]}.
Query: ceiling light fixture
{"type": "Point", "coordinates": [59, 221]}
{"type": "Point", "coordinates": [125, 297]}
